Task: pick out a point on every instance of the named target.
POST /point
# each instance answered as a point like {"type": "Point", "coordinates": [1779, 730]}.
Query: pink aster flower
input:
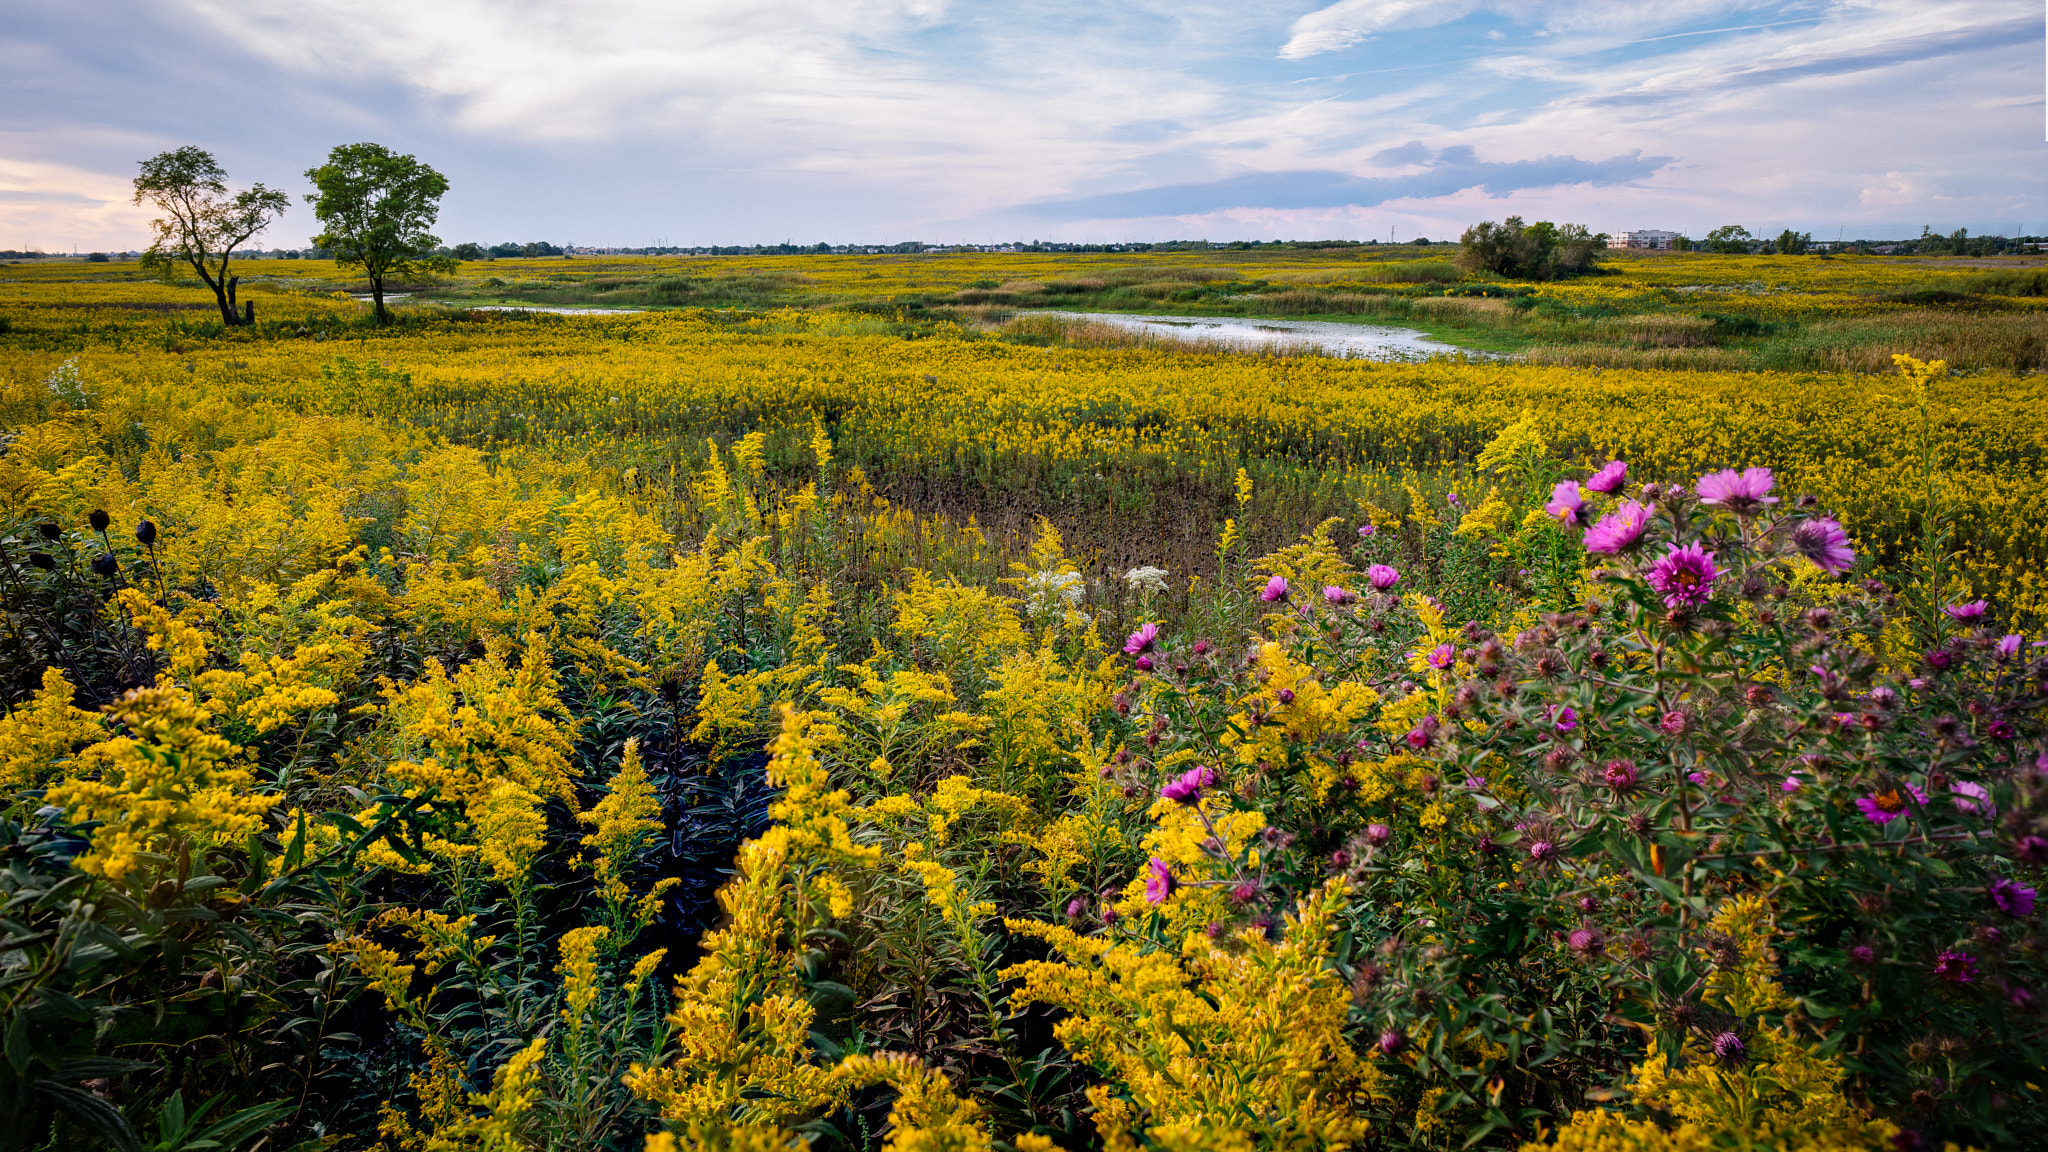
{"type": "Point", "coordinates": [2009, 646]}
{"type": "Point", "coordinates": [1823, 542]}
{"type": "Point", "coordinates": [1377, 835]}
{"type": "Point", "coordinates": [1159, 881]}
{"type": "Point", "coordinates": [1443, 656]}
{"type": "Point", "coordinates": [1365, 530]}
{"type": "Point", "coordinates": [1566, 504]}
{"type": "Point", "coordinates": [1609, 478]}
{"type": "Point", "coordinates": [1619, 530]}
{"type": "Point", "coordinates": [1144, 663]}
{"type": "Point", "coordinates": [1971, 797]}
{"type": "Point", "coordinates": [1382, 576]}
{"type": "Point", "coordinates": [1742, 492]}
{"type": "Point", "coordinates": [1187, 788]}
{"type": "Point", "coordinates": [1792, 784]}
{"type": "Point", "coordinates": [1276, 589]}
{"type": "Point", "coordinates": [1969, 613]}
{"type": "Point", "coordinates": [1888, 805]}
{"type": "Point", "coordinates": [1619, 775]}
{"type": "Point", "coordinates": [1337, 596]}
{"type": "Point", "coordinates": [1956, 967]}
{"type": "Point", "coordinates": [2012, 897]}
{"type": "Point", "coordinates": [1684, 575]}
{"type": "Point", "coordinates": [1565, 720]}
{"type": "Point", "coordinates": [1143, 640]}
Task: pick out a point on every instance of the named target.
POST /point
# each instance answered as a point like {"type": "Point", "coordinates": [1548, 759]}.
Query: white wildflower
{"type": "Point", "coordinates": [1143, 580]}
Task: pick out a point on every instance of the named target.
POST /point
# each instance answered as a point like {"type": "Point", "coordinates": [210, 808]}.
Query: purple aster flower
{"type": "Point", "coordinates": [1075, 907]}
{"type": "Point", "coordinates": [1742, 492]}
{"type": "Point", "coordinates": [1619, 775]}
{"type": "Point", "coordinates": [1365, 530]}
{"type": "Point", "coordinates": [1159, 881]}
{"type": "Point", "coordinates": [1443, 656]}
{"type": "Point", "coordinates": [1382, 576]}
{"type": "Point", "coordinates": [1888, 805]}
{"type": "Point", "coordinates": [1276, 589]}
{"type": "Point", "coordinates": [1792, 784]}
{"type": "Point", "coordinates": [1863, 954]}
{"type": "Point", "coordinates": [1684, 575]}
{"type": "Point", "coordinates": [1823, 542]}
{"type": "Point", "coordinates": [1971, 797]}
{"type": "Point", "coordinates": [1285, 695]}
{"type": "Point", "coordinates": [1698, 777]}
{"type": "Point", "coordinates": [1143, 640]}
{"type": "Point", "coordinates": [1966, 613]}
{"type": "Point", "coordinates": [2032, 849]}
{"type": "Point", "coordinates": [1336, 595]}
{"type": "Point", "coordinates": [1619, 530]}
{"type": "Point", "coordinates": [1392, 1041]}
{"type": "Point", "coordinates": [1423, 734]}
{"type": "Point", "coordinates": [2000, 730]}
{"type": "Point", "coordinates": [1543, 851]}
{"type": "Point", "coordinates": [1475, 783]}
{"type": "Point", "coordinates": [1452, 499]}
{"type": "Point", "coordinates": [1729, 1048]}
{"type": "Point", "coordinates": [1187, 788]}
{"type": "Point", "coordinates": [1566, 504]}
{"type": "Point", "coordinates": [2009, 646]}
{"type": "Point", "coordinates": [2012, 897]}
{"type": "Point", "coordinates": [1585, 941]}
{"type": "Point", "coordinates": [1672, 724]}
{"type": "Point", "coordinates": [1609, 478]}
{"type": "Point", "coordinates": [1565, 720]}
{"type": "Point", "coordinates": [1956, 967]}
{"type": "Point", "coordinates": [1377, 835]}
{"type": "Point", "coordinates": [1144, 663]}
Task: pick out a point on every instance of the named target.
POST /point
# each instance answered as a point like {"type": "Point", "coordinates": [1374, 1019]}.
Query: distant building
{"type": "Point", "coordinates": [1642, 238]}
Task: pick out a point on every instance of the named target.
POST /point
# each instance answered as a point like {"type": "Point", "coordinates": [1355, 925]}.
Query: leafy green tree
{"type": "Point", "coordinates": [1790, 243]}
{"type": "Point", "coordinates": [470, 252]}
{"type": "Point", "coordinates": [1729, 239]}
{"type": "Point", "coordinates": [203, 223]}
{"type": "Point", "coordinates": [1539, 251]}
{"type": "Point", "coordinates": [375, 207]}
{"type": "Point", "coordinates": [1681, 244]}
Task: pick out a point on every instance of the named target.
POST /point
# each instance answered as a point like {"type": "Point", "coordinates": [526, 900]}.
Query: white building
{"type": "Point", "coordinates": [1642, 238]}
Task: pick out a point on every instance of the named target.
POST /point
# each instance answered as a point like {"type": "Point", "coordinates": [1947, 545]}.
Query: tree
{"type": "Point", "coordinates": [1681, 244]}
{"type": "Point", "coordinates": [203, 223]}
{"type": "Point", "coordinates": [375, 207]}
{"type": "Point", "coordinates": [1539, 251]}
{"type": "Point", "coordinates": [1729, 239]}
{"type": "Point", "coordinates": [470, 252]}
{"type": "Point", "coordinates": [1790, 243]}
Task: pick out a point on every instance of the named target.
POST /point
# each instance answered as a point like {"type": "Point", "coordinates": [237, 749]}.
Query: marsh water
{"type": "Point", "coordinates": [1358, 341]}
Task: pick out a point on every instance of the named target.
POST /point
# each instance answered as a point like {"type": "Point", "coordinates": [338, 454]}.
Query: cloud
{"type": "Point", "coordinates": [54, 206]}
{"type": "Point", "coordinates": [1441, 173]}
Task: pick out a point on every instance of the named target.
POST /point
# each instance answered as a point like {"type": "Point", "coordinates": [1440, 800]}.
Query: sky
{"type": "Point", "coordinates": [681, 122]}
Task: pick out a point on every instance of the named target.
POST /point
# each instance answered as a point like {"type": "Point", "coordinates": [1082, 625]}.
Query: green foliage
{"type": "Point", "coordinates": [1729, 239]}
{"type": "Point", "coordinates": [1539, 251]}
{"type": "Point", "coordinates": [202, 224]}
{"type": "Point", "coordinates": [375, 207]}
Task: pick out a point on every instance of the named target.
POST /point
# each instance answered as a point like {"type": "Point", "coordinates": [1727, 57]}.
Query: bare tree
{"type": "Point", "coordinates": [203, 223]}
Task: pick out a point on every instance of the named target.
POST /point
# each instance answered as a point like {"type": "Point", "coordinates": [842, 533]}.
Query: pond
{"type": "Point", "coordinates": [1357, 341]}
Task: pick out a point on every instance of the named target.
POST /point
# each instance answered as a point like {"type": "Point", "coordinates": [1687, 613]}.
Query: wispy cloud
{"type": "Point", "coordinates": [1437, 173]}
{"type": "Point", "coordinates": [626, 120]}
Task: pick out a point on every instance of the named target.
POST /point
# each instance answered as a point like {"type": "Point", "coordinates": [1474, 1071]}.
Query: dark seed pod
{"type": "Point", "coordinates": [43, 560]}
{"type": "Point", "coordinates": [49, 531]}
{"type": "Point", "coordinates": [99, 519]}
{"type": "Point", "coordinates": [105, 564]}
{"type": "Point", "coordinates": [146, 532]}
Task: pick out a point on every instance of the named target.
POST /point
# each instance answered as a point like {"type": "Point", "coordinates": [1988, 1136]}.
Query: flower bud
{"type": "Point", "coordinates": [49, 531]}
{"type": "Point", "coordinates": [99, 519]}
{"type": "Point", "coordinates": [105, 564]}
{"type": "Point", "coordinates": [145, 532]}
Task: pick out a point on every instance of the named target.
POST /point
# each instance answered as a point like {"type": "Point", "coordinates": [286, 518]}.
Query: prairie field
{"type": "Point", "coordinates": [820, 699]}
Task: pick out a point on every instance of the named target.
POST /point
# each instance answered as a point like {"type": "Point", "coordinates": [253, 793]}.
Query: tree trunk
{"type": "Point", "coordinates": [234, 310]}
{"type": "Point", "coordinates": [377, 293]}
{"type": "Point", "coordinates": [249, 313]}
